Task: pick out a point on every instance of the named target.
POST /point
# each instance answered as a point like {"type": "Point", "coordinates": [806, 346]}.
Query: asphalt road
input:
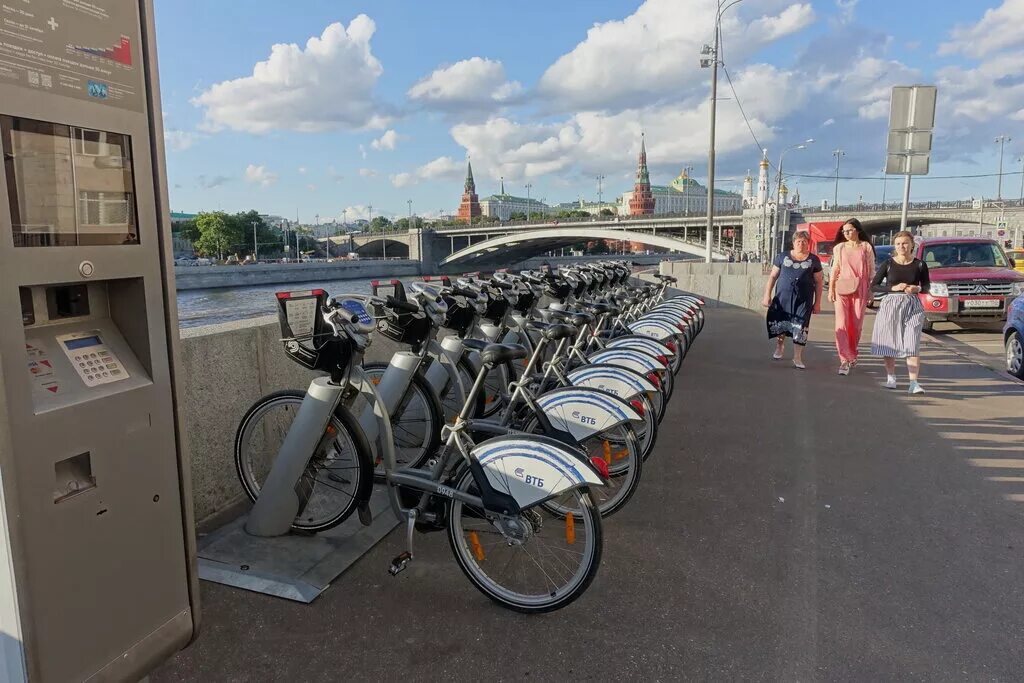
{"type": "Point", "coordinates": [982, 344]}
{"type": "Point", "coordinates": [791, 525]}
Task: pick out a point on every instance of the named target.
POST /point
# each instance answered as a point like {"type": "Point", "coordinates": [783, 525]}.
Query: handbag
{"type": "Point", "coordinates": [846, 284]}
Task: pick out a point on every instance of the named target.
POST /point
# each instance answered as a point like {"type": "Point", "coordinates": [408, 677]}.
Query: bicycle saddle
{"type": "Point", "coordinates": [494, 354]}
{"type": "Point", "coordinates": [553, 331]}
{"type": "Point", "coordinates": [601, 309]}
{"type": "Point", "coordinates": [476, 344]}
{"type": "Point", "coordinates": [576, 318]}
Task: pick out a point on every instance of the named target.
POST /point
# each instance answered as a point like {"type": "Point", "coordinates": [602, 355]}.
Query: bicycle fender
{"type": "Point", "coordinates": [637, 361]}
{"type": "Point", "coordinates": [680, 307]}
{"type": "Point", "coordinates": [533, 468]}
{"type": "Point", "coordinates": [611, 379]}
{"type": "Point", "coordinates": [584, 411]}
{"type": "Point", "coordinates": [646, 344]}
{"type": "Point", "coordinates": [654, 329]}
{"type": "Point", "coordinates": [669, 318]}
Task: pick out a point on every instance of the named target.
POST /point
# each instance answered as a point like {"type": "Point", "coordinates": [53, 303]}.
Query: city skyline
{"type": "Point", "coordinates": [333, 109]}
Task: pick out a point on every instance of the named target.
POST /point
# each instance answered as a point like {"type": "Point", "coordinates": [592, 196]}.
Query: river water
{"type": "Point", "coordinates": [224, 304]}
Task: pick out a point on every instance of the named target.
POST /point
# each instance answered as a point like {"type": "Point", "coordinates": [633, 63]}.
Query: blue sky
{"type": "Point", "coordinates": [387, 102]}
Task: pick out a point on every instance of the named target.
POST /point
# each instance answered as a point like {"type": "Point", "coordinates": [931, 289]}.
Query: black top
{"type": "Point", "coordinates": [914, 273]}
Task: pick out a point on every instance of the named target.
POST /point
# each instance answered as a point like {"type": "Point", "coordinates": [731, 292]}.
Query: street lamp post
{"type": "Point", "coordinates": [686, 190]}
{"type": "Point", "coordinates": [773, 241]}
{"type": "Point", "coordinates": [1002, 140]}
{"type": "Point", "coordinates": [710, 59]}
{"type": "Point", "coordinates": [600, 193]}
{"type": "Point", "coordinates": [1021, 162]}
{"type": "Point", "coordinates": [885, 178]}
{"type": "Point", "coordinates": [529, 186]}
{"type": "Point", "coordinates": [838, 154]}
{"type": "Point", "coordinates": [255, 244]}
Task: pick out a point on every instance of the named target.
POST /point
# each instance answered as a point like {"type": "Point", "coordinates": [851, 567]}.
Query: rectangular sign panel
{"type": "Point", "coordinates": [76, 48]}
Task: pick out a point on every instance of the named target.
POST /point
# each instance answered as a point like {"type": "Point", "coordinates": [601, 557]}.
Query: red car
{"type": "Point", "coordinates": [972, 280]}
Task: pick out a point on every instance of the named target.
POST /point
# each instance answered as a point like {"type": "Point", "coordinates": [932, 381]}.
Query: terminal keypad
{"type": "Point", "coordinates": [95, 363]}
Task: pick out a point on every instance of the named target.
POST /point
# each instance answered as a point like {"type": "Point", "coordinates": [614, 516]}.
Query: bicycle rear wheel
{"type": "Point", "coordinates": [337, 478]}
{"type": "Point", "coordinates": [532, 562]}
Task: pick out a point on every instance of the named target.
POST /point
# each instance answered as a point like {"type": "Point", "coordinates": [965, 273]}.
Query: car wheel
{"type": "Point", "coordinates": [1015, 354]}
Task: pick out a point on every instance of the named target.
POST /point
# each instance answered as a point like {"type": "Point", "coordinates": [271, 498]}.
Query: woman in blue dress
{"type": "Point", "coordinates": [797, 280]}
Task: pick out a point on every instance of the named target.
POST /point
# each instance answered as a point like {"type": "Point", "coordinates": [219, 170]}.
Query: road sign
{"type": "Point", "coordinates": [911, 120]}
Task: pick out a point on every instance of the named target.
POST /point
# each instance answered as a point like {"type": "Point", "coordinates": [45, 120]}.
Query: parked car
{"type": "Point", "coordinates": [1018, 259]}
{"type": "Point", "coordinates": [1013, 338]}
{"type": "Point", "coordinates": [972, 280]}
{"type": "Point", "coordinates": [882, 252]}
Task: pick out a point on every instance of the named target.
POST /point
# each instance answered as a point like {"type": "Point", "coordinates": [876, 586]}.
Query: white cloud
{"type": "Point", "coordinates": [402, 179]}
{"type": "Point", "coordinates": [355, 213]}
{"type": "Point", "coordinates": [362, 151]}
{"type": "Point", "coordinates": [827, 122]}
{"type": "Point", "coordinates": [211, 182]}
{"type": "Point", "coordinates": [474, 82]}
{"type": "Point", "coordinates": [328, 85]}
{"type": "Point", "coordinates": [387, 141]}
{"type": "Point", "coordinates": [993, 89]}
{"type": "Point", "coordinates": [180, 140]}
{"type": "Point", "coordinates": [367, 173]}
{"type": "Point", "coordinates": [655, 50]}
{"type": "Point", "coordinates": [441, 167]}
{"type": "Point", "coordinates": [311, 187]}
{"type": "Point", "coordinates": [998, 29]}
{"type": "Point", "coordinates": [846, 10]}
{"type": "Point", "coordinates": [302, 170]}
{"type": "Point", "coordinates": [334, 174]}
{"type": "Point", "coordinates": [259, 175]}
{"type": "Point", "coordinates": [879, 109]}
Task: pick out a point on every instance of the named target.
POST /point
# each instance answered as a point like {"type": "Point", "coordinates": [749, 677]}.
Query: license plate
{"type": "Point", "coordinates": [982, 303]}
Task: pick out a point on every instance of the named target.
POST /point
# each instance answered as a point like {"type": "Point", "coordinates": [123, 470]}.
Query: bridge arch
{"type": "Point", "coordinates": [519, 246]}
{"type": "Point", "coordinates": [374, 248]}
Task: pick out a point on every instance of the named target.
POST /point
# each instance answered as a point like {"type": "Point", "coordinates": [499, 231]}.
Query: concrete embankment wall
{"type": "Point", "coordinates": [204, 277]}
{"type": "Point", "coordinates": [732, 284]}
{"type": "Point", "coordinates": [224, 370]}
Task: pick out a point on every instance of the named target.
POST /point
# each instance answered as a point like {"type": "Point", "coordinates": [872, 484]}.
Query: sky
{"type": "Point", "coordinates": [344, 105]}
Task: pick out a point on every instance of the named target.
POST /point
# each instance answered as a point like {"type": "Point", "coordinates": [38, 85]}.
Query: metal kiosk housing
{"type": "Point", "coordinates": [97, 574]}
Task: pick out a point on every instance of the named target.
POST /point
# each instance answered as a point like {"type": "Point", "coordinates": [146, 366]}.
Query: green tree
{"type": "Point", "coordinates": [187, 230]}
{"type": "Point", "coordinates": [517, 216]}
{"type": "Point", "coordinates": [607, 212]}
{"type": "Point", "coordinates": [380, 224]}
{"type": "Point", "coordinates": [241, 224]}
{"type": "Point", "coordinates": [215, 236]}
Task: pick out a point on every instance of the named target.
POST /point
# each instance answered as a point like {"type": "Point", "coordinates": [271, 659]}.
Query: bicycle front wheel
{"type": "Point", "coordinates": [532, 562]}
{"type": "Point", "coordinates": [337, 478]}
{"type": "Point", "coordinates": [416, 423]}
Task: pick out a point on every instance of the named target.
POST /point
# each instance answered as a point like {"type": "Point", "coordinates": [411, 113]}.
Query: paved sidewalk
{"type": "Point", "coordinates": [790, 526]}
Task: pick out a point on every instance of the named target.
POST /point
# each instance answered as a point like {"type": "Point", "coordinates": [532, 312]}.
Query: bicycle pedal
{"type": "Point", "coordinates": [399, 564]}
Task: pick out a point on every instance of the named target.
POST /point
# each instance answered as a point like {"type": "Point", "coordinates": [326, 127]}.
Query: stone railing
{"type": "Point", "coordinates": [721, 284]}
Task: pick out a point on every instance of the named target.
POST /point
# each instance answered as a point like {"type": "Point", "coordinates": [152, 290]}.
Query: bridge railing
{"type": "Point", "coordinates": [956, 205]}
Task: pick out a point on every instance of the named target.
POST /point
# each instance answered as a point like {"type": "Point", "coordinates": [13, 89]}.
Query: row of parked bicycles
{"type": "Point", "coordinates": [519, 416]}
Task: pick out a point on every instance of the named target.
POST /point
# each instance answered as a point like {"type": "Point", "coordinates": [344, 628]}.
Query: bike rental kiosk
{"type": "Point", "coordinates": [97, 548]}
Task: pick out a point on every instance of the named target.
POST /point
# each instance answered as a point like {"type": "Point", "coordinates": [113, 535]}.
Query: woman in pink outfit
{"type": "Point", "coordinates": [853, 266]}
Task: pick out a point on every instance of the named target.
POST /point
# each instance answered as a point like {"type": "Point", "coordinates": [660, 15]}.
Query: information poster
{"type": "Point", "coordinates": [85, 49]}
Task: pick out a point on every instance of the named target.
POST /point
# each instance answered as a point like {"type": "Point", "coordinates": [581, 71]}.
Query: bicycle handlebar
{"type": "Point", "coordinates": [401, 306]}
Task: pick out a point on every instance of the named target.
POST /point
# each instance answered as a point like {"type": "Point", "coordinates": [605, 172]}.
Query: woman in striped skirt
{"type": "Point", "coordinates": [897, 332]}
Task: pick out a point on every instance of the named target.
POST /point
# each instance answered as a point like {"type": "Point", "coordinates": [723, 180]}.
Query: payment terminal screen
{"type": "Point", "coordinates": [82, 343]}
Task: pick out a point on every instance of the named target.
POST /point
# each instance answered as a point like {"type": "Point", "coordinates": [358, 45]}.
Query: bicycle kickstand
{"type": "Point", "coordinates": [402, 561]}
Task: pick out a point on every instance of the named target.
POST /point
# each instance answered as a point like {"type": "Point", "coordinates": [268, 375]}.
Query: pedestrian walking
{"type": "Point", "coordinates": [853, 266]}
{"type": "Point", "coordinates": [797, 280]}
{"type": "Point", "coordinates": [897, 331]}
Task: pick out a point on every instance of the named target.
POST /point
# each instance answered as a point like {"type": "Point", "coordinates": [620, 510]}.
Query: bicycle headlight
{"type": "Point", "coordinates": [938, 289]}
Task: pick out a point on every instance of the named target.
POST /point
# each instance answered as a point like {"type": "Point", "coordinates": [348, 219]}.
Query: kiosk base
{"type": "Point", "coordinates": [294, 567]}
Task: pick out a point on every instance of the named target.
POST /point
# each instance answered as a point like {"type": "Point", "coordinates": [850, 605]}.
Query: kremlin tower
{"type": "Point", "coordinates": [762, 181]}
{"type": "Point", "coordinates": [642, 201]}
{"type": "Point", "coordinates": [470, 206]}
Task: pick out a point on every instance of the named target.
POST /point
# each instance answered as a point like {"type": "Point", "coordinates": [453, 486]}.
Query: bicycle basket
{"type": "Point", "coordinates": [308, 339]}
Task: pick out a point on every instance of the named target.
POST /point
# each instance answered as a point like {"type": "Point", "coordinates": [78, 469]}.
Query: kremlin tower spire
{"type": "Point", "coordinates": [642, 201]}
{"type": "Point", "coordinates": [470, 206]}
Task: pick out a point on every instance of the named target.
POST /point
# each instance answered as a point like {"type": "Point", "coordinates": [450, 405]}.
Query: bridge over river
{"type": "Point", "coordinates": [490, 244]}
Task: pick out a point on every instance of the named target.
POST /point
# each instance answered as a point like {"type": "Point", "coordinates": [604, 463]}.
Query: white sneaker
{"type": "Point", "coordinates": [915, 388]}
{"type": "Point", "coordinates": [844, 368]}
{"type": "Point", "coordinates": [890, 382]}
